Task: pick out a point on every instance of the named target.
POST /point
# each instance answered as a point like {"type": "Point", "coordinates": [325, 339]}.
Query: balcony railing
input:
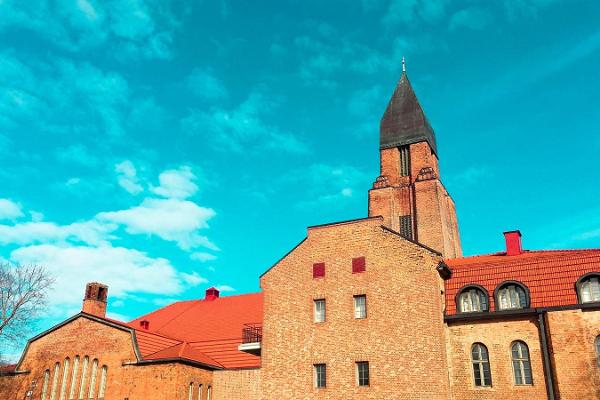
{"type": "Point", "coordinates": [252, 333]}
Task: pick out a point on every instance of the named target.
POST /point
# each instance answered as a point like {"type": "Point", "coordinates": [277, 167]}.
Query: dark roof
{"type": "Point", "coordinates": [404, 121]}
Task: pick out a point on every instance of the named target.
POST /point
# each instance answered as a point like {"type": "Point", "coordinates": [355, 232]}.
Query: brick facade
{"type": "Point", "coordinates": [243, 384]}
{"type": "Point", "coordinates": [403, 297]}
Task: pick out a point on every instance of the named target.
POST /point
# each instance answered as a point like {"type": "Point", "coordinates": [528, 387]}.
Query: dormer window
{"type": "Point", "coordinates": [511, 296]}
{"type": "Point", "coordinates": [588, 288]}
{"type": "Point", "coordinates": [472, 299]}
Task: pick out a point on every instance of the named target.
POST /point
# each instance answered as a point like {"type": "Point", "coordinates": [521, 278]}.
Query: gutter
{"type": "Point", "coordinates": [548, 370]}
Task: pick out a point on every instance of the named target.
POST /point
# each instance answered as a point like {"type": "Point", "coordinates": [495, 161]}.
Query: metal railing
{"type": "Point", "coordinates": [252, 333]}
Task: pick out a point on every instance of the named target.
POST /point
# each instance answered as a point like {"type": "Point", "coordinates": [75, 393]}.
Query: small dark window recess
{"type": "Point", "coordinates": [320, 375]}
{"type": "Point", "coordinates": [318, 270]}
{"type": "Point", "coordinates": [358, 265]}
{"type": "Point", "coordinates": [362, 373]}
{"type": "Point", "coordinates": [406, 226]}
{"type": "Point", "coordinates": [404, 161]}
{"type": "Point", "coordinates": [102, 294]}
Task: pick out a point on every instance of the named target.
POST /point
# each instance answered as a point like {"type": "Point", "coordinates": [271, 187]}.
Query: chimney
{"type": "Point", "coordinates": [513, 243]}
{"type": "Point", "coordinates": [212, 293]}
{"type": "Point", "coordinates": [94, 302]}
{"type": "Point", "coordinates": [145, 324]}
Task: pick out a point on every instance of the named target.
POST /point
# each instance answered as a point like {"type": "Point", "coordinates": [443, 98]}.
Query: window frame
{"type": "Point", "coordinates": [501, 286]}
{"type": "Point", "coordinates": [317, 384]}
{"type": "Point", "coordinates": [466, 288]}
{"type": "Point", "coordinates": [315, 313]}
{"type": "Point", "coordinates": [360, 380]}
{"type": "Point", "coordinates": [480, 367]}
{"type": "Point", "coordinates": [580, 282]}
{"type": "Point", "coordinates": [355, 304]}
{"type": "Point", "coordinates": [522, 361]}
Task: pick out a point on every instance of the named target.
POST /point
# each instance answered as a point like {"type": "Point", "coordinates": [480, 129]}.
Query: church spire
{"type": "Point", "coordinates": [404, 121]}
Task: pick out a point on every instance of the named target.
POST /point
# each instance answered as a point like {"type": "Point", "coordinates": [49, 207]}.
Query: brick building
{"type": "Point", "coordinates": [383, 307]}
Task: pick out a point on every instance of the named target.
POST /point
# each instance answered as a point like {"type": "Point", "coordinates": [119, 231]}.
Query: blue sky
{"type": "Point", "coordinates": [162, 147]}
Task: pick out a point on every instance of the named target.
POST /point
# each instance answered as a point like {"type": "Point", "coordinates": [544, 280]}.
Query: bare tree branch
{"type": "Point", "coordinates": [23, 291]}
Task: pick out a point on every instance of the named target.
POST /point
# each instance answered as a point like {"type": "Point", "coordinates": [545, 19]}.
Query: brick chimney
{"type": "Point", "coordinates": [513, 243]}
{"type": "Point", "coordinates": [212, 293]}
{"type": "Point", "coordinates": [94, 302]}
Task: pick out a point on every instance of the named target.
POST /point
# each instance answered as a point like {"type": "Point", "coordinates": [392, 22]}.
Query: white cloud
{"type": "Point", "coordinates": [243, 128]}
{"type": "Point", "coordinates": [170, 219]}
{"type": "Point", "coordinates": [193, 279]}
{"type": "Point", "coordinates": [225, 288]}
{"type": "Point", "coordinates": [10, 210]}
{"type": "Point", "coordinates": [205, 85]}
{"type": "Point", "coordinates": [202, 256]}
{"type": "Point", "coordinates": [123, 270]}
{"type": "Point", "coordinates": [176, 183]}
{"type": "Point", "coordinates": [90, 232]}
{"type": "Point", "coordinates": [127, 177]}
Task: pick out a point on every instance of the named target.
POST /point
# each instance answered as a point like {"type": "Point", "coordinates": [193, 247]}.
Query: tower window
{"type": "Point", "coordinates": [481, 365]}
{"type": "Point", "coordinates": [521, 363]}
{"type": "Point", "coordinates": [406, 226]}
{"type": "Point", "coordinates": [319, 310]}
{"type": "Point", "coordinates": [320, 375]}
{"type": "Point", "coordinates": [404, 161]}
{"type": "Point", "coordinates": [360, 306]}
{"type": "Point", "coordinates": [362, 373]}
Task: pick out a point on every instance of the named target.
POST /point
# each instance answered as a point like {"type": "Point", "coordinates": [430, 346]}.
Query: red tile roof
{"type": "Point", "coordinates": [550, 276]}
{"type": "Point", "coordinates": [206, 331]}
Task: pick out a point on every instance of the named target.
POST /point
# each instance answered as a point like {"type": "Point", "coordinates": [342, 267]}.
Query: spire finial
{"type": "Point", "coordinates": [403, 64]}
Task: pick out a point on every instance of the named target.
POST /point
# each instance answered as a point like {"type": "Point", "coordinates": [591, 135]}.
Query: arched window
{"type": "Point", "coordinates": [92, 391]}
{"type": "Point", "coordinates": [84, 369]}
{"type": "Point", "coordinates": [472, 299]}
{"type": "Point", "coordinates": [511, 296]}
{"type": "Point", "coordinates": [74, 378]}
{"type": "Point", "coordinates": [102, 387]}
{"type": "Point", "coordinates": [521, 363]}
{"type": "Point", "coordinates": [481, 365]}
{"type": "Point", "coordinates": [588, 288]}
{"type": "Point", "coordinates": [65, 378]}
{"type": "Point", "coordinates": [45, 385]}
{"type": "Point", "coordinates": [54, 381]}
{"type": "Point", "coordinates": [209, 393]}
{"type": "Point", "coordinates": [200, 392]}
{"type": "Point", "coordinates": [191, 391]}
{"type": "Point", "coordinates": [597, 346]}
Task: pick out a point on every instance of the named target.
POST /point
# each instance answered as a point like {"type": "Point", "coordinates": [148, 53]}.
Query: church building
{"type": "Point", "coordinates": [382, 307]}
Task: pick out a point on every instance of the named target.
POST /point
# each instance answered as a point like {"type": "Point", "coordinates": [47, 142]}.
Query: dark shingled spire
{"type": "Point", "coordinates": [404, 121]}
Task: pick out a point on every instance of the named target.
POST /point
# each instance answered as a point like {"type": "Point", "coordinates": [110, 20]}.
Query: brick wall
{"type": "Point", "coordinates": [113, 348]}
{"type": "Point", "coordinates": [401, 338]}
{"type": "Point", "coordinates": [243, 384]}
{"type": "Point", "coordinates": [497, 336]}
{"type": "Point", "coordinates": [575, 362]}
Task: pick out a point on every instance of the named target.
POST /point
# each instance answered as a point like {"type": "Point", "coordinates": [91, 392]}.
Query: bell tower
{"type": "Point", "coordinates": [408, 193]}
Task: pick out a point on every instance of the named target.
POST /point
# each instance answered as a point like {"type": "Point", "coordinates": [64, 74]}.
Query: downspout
{"type": "Point", "coordinates": [548, 370]}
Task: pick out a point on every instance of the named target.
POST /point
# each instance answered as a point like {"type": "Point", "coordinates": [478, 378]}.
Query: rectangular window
{"type": "Point", "coordinates": [320, 371]}
{"type": "Point", "coordinates": [406, 226]}
{"type": "Point", "coordinates": [360, 306]}
{"type": "Point", "coordinates": [318, 270]}
{"type": "Point", "coordinates": [362, 373]}
{"type": "Point", "coordinates": [358, 265]}
{"type": "Point", "coordinates": [320, 310]}
{"type": "Point", "coordinates": [404, 161]}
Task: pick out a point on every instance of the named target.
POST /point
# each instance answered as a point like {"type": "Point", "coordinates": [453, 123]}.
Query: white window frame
{"type": "Point", "coordinates": [521, 363]}
{"type": "Point", "coordinates": [320, 310]}
{"type": "Point", "coordinates": [589, 289]}
{"type": "Point", "coordinates": [509, 297]}
{"type": "Point", "coordinates": [360, 306]}
{"type": "Point", "coordinates": [320, 370]}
